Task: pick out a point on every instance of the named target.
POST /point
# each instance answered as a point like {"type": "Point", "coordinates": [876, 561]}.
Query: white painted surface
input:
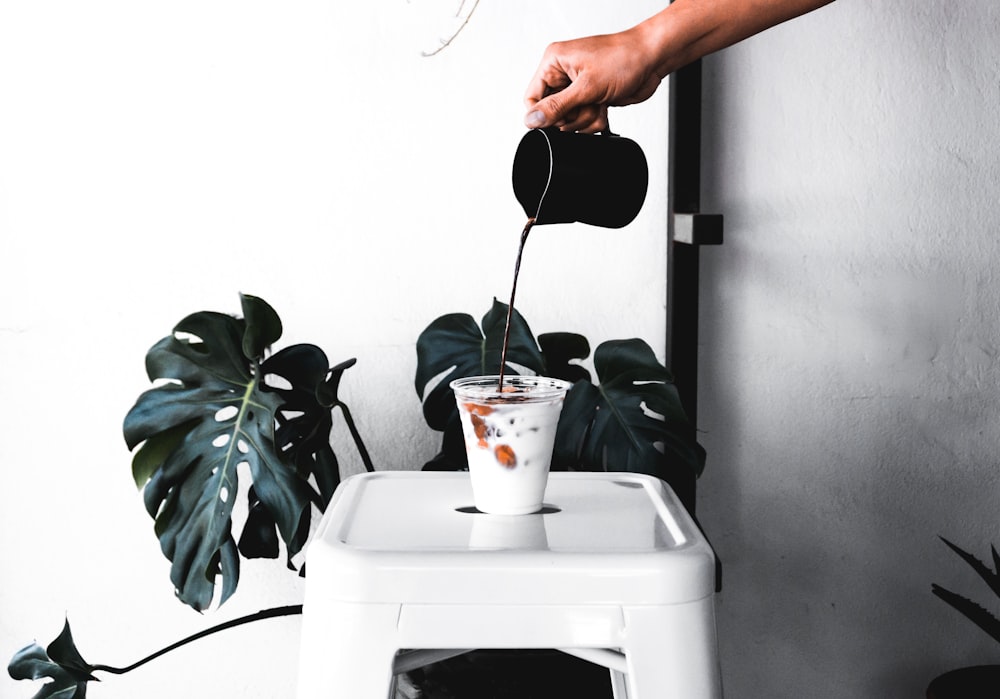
{"type": "Point", "coordinates": [158, 158]}
{"type": "Point", "coordinates": [850, 329]}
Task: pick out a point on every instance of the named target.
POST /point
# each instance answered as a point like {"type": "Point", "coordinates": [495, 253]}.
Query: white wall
{"type": "Point", "coordinates": [158, 158]}
{"type": "Point", "coordinates": [850, 329]}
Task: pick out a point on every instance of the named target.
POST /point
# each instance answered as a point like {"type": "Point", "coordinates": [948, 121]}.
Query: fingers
{"type": "Point", "coordinates": [589, 118]}
{"type": "Point", "coordinates": [571, 109]}
{"type": "Point", "coordinates": [567, 89]}
{"type": "Point", "coordinates": [552, 74]}
{"type": "Point", "coordinates": [545, 98]}
{"type": "Point", "coordinates": [566, 112]}
{"type": "Point", "coordinates": [546, 112]}
{"type": "Point", "coordinates": [548, 79]}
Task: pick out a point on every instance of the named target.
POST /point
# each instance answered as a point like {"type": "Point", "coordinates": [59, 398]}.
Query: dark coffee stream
{"type": "Point", "coordinates": [513, 291]}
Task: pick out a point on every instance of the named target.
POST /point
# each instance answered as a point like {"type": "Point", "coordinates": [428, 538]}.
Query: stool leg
{"type": "Point", "coordinates": [619, 686]}
{"type": "Point", "coordinates": [347, 650]}
{"type": "Point", "coordinates": [671, 651]}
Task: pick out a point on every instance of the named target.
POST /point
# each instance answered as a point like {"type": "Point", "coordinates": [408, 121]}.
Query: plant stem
{"type": "Point", "coordinates": [289, 610]}
{"type": "Point", "coordinates": [365, 458]}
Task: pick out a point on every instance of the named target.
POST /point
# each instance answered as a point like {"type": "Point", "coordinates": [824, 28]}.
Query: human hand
{"type": "Point", "coordinates": [578, 80]}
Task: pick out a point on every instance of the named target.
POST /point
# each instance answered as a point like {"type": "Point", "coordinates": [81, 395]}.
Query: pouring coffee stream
{"type": "Point", "coordinates": [513, 292]}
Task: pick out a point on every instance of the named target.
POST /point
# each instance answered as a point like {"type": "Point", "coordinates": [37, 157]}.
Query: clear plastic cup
{"type": "Point", "coordinates": [509, 436]}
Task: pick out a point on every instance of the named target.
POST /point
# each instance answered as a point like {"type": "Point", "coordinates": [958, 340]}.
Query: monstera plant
{"type": "Point", "coordinates": [630, 420]}
{"type": "Point", "coordinates": [220, 401]}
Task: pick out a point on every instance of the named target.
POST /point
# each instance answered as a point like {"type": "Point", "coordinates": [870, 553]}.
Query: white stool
{"type": "Point", "coordinates": [404, 571]}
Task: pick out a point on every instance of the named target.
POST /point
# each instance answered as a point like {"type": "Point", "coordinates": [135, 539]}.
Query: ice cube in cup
{"type": "Point", "coordinates": [509, 436]}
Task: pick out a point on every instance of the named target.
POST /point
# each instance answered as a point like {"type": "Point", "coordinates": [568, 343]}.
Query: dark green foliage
{"type": "Point", "coordinates": [975, 613]}
{"type": "Point", "coordinates": [559, 350]}
{"type": "Point", "coordinates": [70, 673]}
{"type": "Point", "coordinates": [453, 346]}
{"type": "Point", "coordinates": [61, 662]}
{"type": "Point", "coordinates": [220, 404]}
{"type": "Point", "coordinates": [631, 420]}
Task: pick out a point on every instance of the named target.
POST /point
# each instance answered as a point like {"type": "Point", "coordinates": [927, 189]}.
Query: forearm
{"type": "Point", "coordinates": [690, 29]}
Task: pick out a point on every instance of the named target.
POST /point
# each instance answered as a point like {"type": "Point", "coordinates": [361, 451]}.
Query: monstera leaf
{"type": "Point", "coordinates": [631, 421]}
{"type": "Point", "coordinates": [308, 391]}
{"type": "Point", "coordinates": [453, 347]}
{"type": "Point", "coordinates": [559, 350]}
{"type": "Point", "coordinates": [218, 406]}
{"type": "Point", "coordinates": [61, 662]}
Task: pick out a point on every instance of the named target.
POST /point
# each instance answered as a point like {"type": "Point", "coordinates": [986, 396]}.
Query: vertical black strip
{"type": "Point", "coordinates": [683, 321]}
{"type": "Point", "coordinates": [687, 139]}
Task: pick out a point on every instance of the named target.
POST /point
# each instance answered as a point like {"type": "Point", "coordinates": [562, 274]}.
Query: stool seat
{"type": "Point", "coordinates": [403, 570]}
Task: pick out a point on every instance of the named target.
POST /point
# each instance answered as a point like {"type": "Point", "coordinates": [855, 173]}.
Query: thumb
{"type": "Point", "coordinates": [553, 109]}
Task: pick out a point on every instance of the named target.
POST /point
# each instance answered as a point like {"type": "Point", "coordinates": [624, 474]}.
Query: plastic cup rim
{"type": "Point", "coordinates": [542, 387]}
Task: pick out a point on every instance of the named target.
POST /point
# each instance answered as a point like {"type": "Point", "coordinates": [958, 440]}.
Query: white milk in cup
{"type": "Point", "coordinates": [509, 436]}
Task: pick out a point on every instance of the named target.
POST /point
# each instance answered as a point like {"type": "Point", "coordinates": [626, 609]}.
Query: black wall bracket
{"type": "Point", "coordinates": [689, 229]}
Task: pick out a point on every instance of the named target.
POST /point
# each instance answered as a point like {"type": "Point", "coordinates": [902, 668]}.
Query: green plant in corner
{"type": "Point", "coordinates": [974, 680]}
{"type": "Point", "coordinates": [220, 401]}
{"type": "Point", "coordinates": [975, 613]}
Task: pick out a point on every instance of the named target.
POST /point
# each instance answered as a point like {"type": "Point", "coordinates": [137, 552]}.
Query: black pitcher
{"type": "Point", "coordinates": [564, 177]}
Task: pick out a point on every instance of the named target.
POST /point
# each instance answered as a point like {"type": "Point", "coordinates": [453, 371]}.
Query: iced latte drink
{"type": "Point", "coordinates": [509, 436]}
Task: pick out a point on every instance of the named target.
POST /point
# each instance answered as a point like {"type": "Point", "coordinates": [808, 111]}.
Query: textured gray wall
{"type": "Point", "coordinates": [851, 330]}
